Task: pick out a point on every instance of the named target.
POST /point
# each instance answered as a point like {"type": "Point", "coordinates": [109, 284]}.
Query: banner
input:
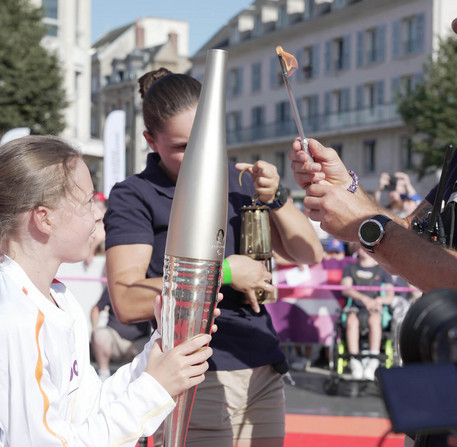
{"type": "Point", "coordinates": [114, 150]}
{"type": "Point", "coordinates": [13, 134]}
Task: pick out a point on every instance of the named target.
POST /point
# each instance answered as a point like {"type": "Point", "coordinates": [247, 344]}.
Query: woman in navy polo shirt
{"type": "Point", "coordinates": [241, 403]}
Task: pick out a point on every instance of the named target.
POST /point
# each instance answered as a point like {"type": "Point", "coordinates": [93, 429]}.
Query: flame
{"type": "Point", "coordinates": [289, 60]}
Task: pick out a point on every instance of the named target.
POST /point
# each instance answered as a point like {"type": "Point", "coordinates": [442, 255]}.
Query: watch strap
{"type": "Point", "coordinates": [277, 203]}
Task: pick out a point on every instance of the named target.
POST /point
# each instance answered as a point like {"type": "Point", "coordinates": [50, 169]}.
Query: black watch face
{"type": "Point", "coordinates": [370, 232]}
{"type": "Point", "coordinates": [281, 195]}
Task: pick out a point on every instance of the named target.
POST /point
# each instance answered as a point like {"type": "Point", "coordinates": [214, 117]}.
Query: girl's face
{"type": "Point", "coordinates": [171, 143]}
{"type": "Point", "coordinates": [76, 218]}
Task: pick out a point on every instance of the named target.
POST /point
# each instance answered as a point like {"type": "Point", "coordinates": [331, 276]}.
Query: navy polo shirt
{"type": "Point", "coordinates": [138, 213]}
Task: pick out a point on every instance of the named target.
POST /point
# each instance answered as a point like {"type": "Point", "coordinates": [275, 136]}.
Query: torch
{"type": "Point", "coordinates": [195, 243]}
{"type": "Point", "coordinates": [288, 66]}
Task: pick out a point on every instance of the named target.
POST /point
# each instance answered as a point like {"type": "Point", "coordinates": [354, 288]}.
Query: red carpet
{"type": "Point", "coordinates": [341, 431]}
{"type": "Point", "coordinates": [336, 431]}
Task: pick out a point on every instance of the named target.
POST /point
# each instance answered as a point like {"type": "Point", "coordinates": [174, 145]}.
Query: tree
{"type": "Point", "coordinates": [31, 84]}
{"type": "Point", "coordinates": [430, 109]}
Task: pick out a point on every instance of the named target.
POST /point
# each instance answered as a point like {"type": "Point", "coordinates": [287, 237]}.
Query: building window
{"type": "Point", "coordinates": [371, 96]}
{"type": "Point", "coordinates": [283, 122]}
{"type": "Point", "coordinates": [257, 25]}
{"type": "Point", "coordinates": [258, 122]}
{"type": "Point", "coordinates": [409, 33]}
{"type": "Point", "coordinates": [282, 16]}
{"type": "Point", "coordinates": [256, 79]}
{"type": "Point", "coordinates": [235, 82]}
{"type": "Point", "coordinates": [406, 84]}
{"type": "Point", "coordinates": [234, 126]}
{"type": "Point", "coordinates": [50, 8]}
{"type": "Point", "coordinates": [338, 54]}
{"type": "Point", "coordinates": [280, 162]}
{"type": "Point", "coordinates": [406, 153]}
{"type": "Point", "coordinates": [369, 156]}
{"type": "Point", "coordinates": [52, 30]}
{"type": "Point", "coordinates": [308, 63]}
{"type": "Point", "coordinates": [372, 39]}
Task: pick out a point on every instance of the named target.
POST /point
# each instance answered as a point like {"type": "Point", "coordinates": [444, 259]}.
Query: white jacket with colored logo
{"type": "Point", "coordinates": [50, 395]}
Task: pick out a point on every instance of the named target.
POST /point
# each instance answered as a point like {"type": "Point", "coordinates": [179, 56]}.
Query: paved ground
{"type": "Point", "coordinates": [307, 396]}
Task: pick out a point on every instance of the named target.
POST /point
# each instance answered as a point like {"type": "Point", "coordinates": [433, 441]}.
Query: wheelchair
{"type": "Point", "coordinates": [339, 355]}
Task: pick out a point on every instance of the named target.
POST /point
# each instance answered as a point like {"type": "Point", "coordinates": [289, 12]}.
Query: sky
{"type": "Point", "coordinates": [205, 17]}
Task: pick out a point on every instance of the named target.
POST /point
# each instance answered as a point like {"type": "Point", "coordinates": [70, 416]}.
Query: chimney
{"type": "Point", "coordinates": [173, 39]}
{"type": "Point", "coordinates": [139, 34]}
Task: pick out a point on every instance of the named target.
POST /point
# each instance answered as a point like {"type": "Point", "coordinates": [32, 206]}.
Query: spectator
{"type": "Point", "coordinates": [366, 311]}
{"type": "Point", "coordinates": [334, 250]}
{"type": "Point", "coordinates": [112, 340]}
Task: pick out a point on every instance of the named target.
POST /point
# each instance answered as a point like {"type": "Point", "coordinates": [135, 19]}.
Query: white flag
{"type": "Point", "coordinates": [114, 152]}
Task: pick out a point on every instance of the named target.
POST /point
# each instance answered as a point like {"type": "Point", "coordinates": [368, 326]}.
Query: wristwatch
{"type": "Point", "coordinates": [280, 200]}
{"type": "Point", "coordinates": [371, 231]}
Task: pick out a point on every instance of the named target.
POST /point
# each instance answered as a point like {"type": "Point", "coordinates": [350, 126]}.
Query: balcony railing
{"type": "Point", "coordinates": [352, 120]}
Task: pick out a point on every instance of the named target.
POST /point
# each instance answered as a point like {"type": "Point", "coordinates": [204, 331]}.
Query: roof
{"type": "Point", "coordinates": [112, 36]}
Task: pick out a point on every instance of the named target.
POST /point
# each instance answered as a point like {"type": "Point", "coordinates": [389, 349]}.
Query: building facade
{"type": "Point", "coordinates": [118, 59]}
{"type": "Point", "coordinates": [353, 57]}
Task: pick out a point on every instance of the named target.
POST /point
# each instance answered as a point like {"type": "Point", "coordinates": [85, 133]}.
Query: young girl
{"type": "Point", "coordinates": [241, 403]}
{"type": "Point", "coordinates": [50, 394]}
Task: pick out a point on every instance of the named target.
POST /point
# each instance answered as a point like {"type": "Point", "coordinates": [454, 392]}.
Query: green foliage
{"type": "Point", "coordinates": [31, 84]}
{"type": "Point", "coordinates": [430, 109]}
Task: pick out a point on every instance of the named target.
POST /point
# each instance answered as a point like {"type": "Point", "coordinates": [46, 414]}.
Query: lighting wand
{"type": "Point", "coordinates": [288, 66]}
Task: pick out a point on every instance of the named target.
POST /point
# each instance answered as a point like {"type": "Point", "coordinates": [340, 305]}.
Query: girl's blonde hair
{"type": "Point", "coordinates": [34, 170]}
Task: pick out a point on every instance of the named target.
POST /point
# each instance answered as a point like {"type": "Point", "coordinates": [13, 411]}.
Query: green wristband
{"type": "Point", "coordinates": [226, 273]}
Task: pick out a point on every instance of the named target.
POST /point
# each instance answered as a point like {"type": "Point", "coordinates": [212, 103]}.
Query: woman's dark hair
{"type": "Point", "coordinates": [165, 94]}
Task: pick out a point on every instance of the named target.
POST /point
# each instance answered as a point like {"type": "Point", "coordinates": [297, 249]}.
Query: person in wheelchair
{"type": "Point", "coordinates": [365, 310]}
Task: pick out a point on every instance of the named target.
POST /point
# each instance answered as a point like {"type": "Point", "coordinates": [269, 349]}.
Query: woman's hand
{"type": "Point", "coordinates": [182, 367]}
{"type": "Point", "coordinates": [248, 276]}
{"type": "Point", "coordinates": [265, 177]}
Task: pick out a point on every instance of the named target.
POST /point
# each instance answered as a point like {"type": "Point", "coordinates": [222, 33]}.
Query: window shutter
{"type": "Point", "coordinates": [396, 39]}
{"type": "Point", "coordinates": [381, 43]}
{"type": "Point", "coordinates": [347, 52]}
{"type": "Point", "coordinates": [328, 57]}
{"type": "Point", "coordinates": [315, 62]}
{"type": "Point", "coordinates": [360, 48]}
{"type": "Point", "coordinates": [420, 32]}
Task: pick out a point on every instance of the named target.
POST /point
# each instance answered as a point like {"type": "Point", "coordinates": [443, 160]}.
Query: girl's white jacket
{"type": "Point", "coordinates": [50, 395]}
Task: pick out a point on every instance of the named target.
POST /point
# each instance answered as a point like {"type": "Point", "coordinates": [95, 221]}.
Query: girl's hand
{"type": "Point", "coordinates": [182, 367]}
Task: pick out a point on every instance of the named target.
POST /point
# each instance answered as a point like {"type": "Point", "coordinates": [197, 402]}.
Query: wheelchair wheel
{"type": "Point", "coordinates": [340, 363]}
{"type": "Point", "coordinates": [389, 351]}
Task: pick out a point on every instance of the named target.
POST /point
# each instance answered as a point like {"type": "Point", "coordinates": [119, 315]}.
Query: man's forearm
{"type": "Point", "coordinates": [422, 263]}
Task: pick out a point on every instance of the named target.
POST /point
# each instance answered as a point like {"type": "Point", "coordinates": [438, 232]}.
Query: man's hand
{"type": "Point", "coordinates": [339, 211]}
{"type": "Point", "coordinates": [327, 167]}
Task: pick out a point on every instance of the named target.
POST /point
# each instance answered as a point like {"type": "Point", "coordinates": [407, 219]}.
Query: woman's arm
{"type": "Point", "coordinates": [132, 294]}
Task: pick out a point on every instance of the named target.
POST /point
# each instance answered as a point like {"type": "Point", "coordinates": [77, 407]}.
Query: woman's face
{"type": "Point", "coordinates": [171, 143]}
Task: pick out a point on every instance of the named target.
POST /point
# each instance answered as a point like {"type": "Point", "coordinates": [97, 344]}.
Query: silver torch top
{"type": "Point", "coordinates": [198, 219]}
